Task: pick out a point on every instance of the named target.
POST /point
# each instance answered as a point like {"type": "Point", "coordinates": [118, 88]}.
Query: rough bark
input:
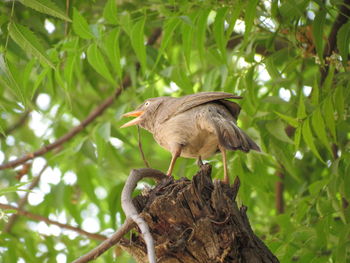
{"type": "Point", "coordinates": [196, 221]}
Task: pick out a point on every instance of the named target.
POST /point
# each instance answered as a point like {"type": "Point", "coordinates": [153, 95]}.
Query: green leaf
{"type": "Point", "coordinates": [29, 42]}
{"type": "Point", "coordinates": [315, 93]}
{"type": "Point", "coordinates": [110, 12]}
{"type": "Point", "coordinates": [318, 30]}
{"type": "Point", "coordinates": [219, 32]}
{"type": "Point", "coordinates": [80, 26]}
{"type": "Point", "coordinates": [291, 121]}
{"type": "Point", "coordinates": [104, 131]}
{"type": "Point", "coordinates": [69, 66]}
{"type": "Point", "coordinates": [320, 128]}
{"type": "Point", "coordinates": [250, 14]}
{"type": "Point", "coordinates": [339, 101]}
{"type": "Point", "coordinates": [201, 27]}
{"type": "Point", "coordinates": [301, 108]}
{"type": "Point", "coordinates": [138, 42]}
{"type": "Point", "coordinates": [187, 30]}
{"type": "Point", "coordinates": [271, 68]}
{"type": "Point", "coordinates": [168, 31]}
{"type": "Point", "coordinates": [97, 61]}
{"type": "Point", "coordinates": [111, 45]}
{"type": "Point", "coordinates": [309, 140]}
{"type": "Point", "coordinates": [328, 112]}
{"type": "Point", "coordinates": [327, 84]}
{"type": "Point", "coordinates": [14, 188]}
{"type": "Point", "coordinates": [233, 18]}
{"type": "Point", "coordinates": [343, 42]}
{"type": "Point", "coordinates": [277, 129]}
{"type": "Point", "coordinates": [10, 79]}
{"type": "Point", "coordinates": [46, 7]}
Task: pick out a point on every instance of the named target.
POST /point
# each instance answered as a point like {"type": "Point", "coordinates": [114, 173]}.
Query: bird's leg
{"type": "Point", "coordinates": [175, 154]}
{"type": "Point", "coordinates": [199, 161]}
{"type": "Point", "coordinates": [223, 152]}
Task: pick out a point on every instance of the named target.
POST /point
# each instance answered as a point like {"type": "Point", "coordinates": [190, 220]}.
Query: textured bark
{"type": "Point", "coordinates": [196, 221]}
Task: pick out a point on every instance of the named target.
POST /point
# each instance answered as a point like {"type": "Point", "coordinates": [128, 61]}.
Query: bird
{"type": "Point", "coordinates": [194, 126]}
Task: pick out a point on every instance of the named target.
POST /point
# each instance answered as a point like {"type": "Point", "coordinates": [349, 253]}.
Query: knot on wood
{"type": "Point", "coordinates": [196, 221]}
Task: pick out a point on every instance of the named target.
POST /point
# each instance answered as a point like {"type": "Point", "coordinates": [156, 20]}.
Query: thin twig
{"type": "Point", "coordinates": [24, 200]}
{"type": "Point", "coordinates": [279, 202]}
{"type": "Point", "coordinates": [49, 221]}
{"type": "Point", "coordinates": [22, 120]}
{"type": "Point", "coordinates": [131, 211]}
{"type": "Point", "coordinates": [92, 116]}
{"type": "Point", "coordinates": [140, 147]}
{"type": "Point", "coordinates": [108, 243]}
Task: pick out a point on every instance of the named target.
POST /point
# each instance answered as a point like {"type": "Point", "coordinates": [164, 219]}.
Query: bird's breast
{"type": "Point", "coordinates": [190, 130]}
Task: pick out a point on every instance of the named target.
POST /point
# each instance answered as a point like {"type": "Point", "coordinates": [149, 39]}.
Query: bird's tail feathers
{"type": "Point", "coordinates": [233, 138]}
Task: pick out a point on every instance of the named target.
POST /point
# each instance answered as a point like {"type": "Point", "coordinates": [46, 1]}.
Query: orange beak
{"type": "Point", "coordinates": [136, 113]}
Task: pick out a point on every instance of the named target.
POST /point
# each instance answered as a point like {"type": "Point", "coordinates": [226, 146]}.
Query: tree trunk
{"type": "Point", "coordinates": [197, 221]}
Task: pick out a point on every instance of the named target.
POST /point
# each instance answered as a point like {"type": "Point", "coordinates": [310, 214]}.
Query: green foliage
{"type": "Point", "coordinates": [295, 105]}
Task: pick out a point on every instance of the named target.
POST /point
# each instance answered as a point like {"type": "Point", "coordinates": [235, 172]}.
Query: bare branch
{"type": "Point", "coordinates": [24, 200]}
{"type": "Point", "coordinates": [108, 243]}
{"type": "Point", "coordinates": [92, 116]}
{"type": "Point", "coordinates": [130, 210]}
{"type": "Point", "coordinates": [49, 221]}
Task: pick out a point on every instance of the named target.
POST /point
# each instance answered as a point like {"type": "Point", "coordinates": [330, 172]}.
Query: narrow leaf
{"type": "Point", "coordinates": [339, 101]}
{"type": "Point", "coordinates": [301, 108]}
{"type": "Point", "coordinates": [201, 27]}
{"type": "Point", "coordinates": [308, 138]}
{"type": "Point", "coordinates": [80, 26]}
{"type": "Point", "coordinates": [328, 111]}
{"type": "Point", "coordinates": [29, 42]}
{"type": "Point", "coordinates": [291, 121]}
{"type": "Point", "coordinates": [233, 18]}
{"type": "Point", "coordinates": [10, 79]}
{"type": "Point", "coordinates": [138, 42]}
{"type": "Point", "coordinates": [343, 42]}
{"type": "Point", "coordinates": [320, 128]}
{"type": "Point", "coordinates": [104, 131]}
{"type": "Point", "coordinates": [277, 129]}
{"type": "Point", "coordinates": [111, 45]}
{"type": "Point", "coordinates": [96, 60]}
{"type": "Point", "coordinates": [168, 31]}
{"type": "Point", "coordinates": [219, 32]}
{"type": "Point", "coordinates": [110, 12]}
{"type": "Point", "coordinates": [46, 7]}
{"type": "Point", "coordinates": [250, 15]}
{"type": "Point", "coordinates": [271, 68]}
{"type": "Point", "coordinates": [187, 40]}
{"type": "Point", "coordinates": [317, 30]}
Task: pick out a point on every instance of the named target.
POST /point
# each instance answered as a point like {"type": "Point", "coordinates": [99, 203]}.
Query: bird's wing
{"type": "Point", "coordinates": [179, 105]}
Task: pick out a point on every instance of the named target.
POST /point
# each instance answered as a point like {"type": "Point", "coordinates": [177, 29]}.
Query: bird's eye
{"type": "Point", "coordinates": [146, 103]}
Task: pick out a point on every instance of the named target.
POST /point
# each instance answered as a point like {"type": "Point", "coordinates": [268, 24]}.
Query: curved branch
{"type": "Point", "coordinates": [130, 210]}
{"type": "Point", "coordinates": [49, 221]}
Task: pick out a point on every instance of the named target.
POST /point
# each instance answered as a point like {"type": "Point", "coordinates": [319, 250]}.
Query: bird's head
{"type": "Point", "coordinates": [145, 114]}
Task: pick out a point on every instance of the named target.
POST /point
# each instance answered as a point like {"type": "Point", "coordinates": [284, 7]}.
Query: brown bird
{"type": "Point", "coordinates": [194, 126]}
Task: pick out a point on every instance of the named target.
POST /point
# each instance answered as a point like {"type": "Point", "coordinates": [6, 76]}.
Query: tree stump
{"type": "Point", "coordinates": [196, 221]}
